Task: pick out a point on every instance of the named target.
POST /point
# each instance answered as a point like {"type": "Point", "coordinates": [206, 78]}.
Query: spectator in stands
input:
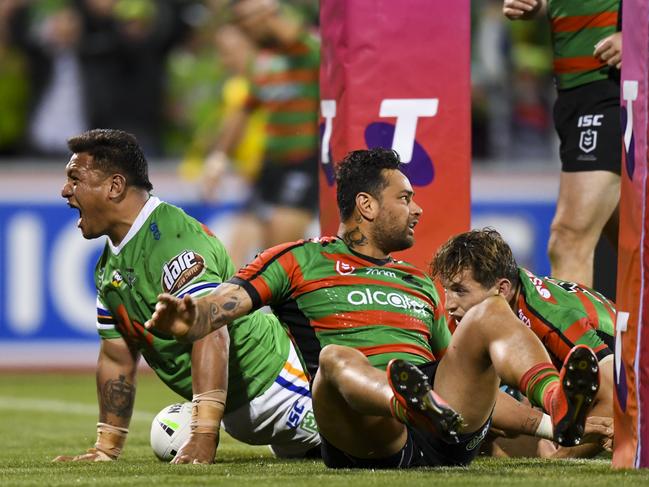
{"type": "Point", "coordinates": [14, 89]}
{"type": "Point", "coordinates": [49, 35]}
{"type": "Point", "coordinates": [125, 47]}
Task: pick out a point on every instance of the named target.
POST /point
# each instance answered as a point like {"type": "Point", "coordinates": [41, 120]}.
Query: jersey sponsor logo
{"type": "Point", "coordinates": [344, 269]}
{"type": "Point", "coordinates": [371, 271]}
{"type": "Point", "coordinates": [116, 279]}
{"type": "Point", "coordinates": [154, 230]}
{"type": "Point", "coordinates": [395, 299]}
{"type": "Point", "coordinates": [181, 269]}
{"type": "Point", "coordinates": [590, 120]}
{"type": "Point", "coordinates": [130, 277]}
{"type": "Point", "coordinates": [524, 319]}
{"type": "Point", "coordinates": [588, 140]}
{"type": "Point", "coordinates": [543, 291]}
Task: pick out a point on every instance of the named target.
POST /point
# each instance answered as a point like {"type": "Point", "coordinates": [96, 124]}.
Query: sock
{"type": "Point", "coordinates": [398, 411]}
{"type": "Point", "coordinates": [539, 383]}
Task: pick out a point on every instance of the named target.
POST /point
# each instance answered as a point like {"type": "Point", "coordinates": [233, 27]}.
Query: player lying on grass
{"type": "Point", "coordinates": [154, 247]}
{"type": "Point", "coordinates": [354, 311]}
{"type": "Point", "coordinates": [479, 273]}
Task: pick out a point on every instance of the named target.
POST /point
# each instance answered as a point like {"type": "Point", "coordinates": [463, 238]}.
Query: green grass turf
{"type": "Point", "coordinates": [44, 415]}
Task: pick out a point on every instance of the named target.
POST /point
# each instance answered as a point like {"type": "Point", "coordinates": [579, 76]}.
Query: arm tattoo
{"type": "Point", "coordinates": [118, 396]}
{"type": "Point", "coordinates": [355, 238]}
{"type": "Point", "coordinates": [221, 314]}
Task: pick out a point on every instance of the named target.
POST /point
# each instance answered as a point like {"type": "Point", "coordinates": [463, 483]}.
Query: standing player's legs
{"type": "Point", "coordinates": [586, 202]}
{"type": "Point", "coordinates": [288, 200]}
{"type": "Point", "coordinates": [286, 224]}
{"type": "Point", "coordinates": [587, 119]}
{"type": "Point", "coordinates": [351, 401]}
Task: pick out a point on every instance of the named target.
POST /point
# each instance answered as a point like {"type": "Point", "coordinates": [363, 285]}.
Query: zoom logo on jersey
{"type": "Point", "coordinates": [181, 269]}
{"type": "Point", "coordinates": [398, 300]}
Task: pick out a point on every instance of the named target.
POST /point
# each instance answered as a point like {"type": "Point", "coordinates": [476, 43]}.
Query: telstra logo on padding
{"type": "Point", "coordinates": [400, 135]}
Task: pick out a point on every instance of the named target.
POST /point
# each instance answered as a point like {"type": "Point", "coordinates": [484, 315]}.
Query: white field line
{"type": "Point", "coordinates": [62, 407]}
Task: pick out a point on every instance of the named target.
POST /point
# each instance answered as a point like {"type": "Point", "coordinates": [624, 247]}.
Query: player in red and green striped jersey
{"type": "Point", "coordinates": [284, 85]}
{"type": "Point", "coordinates": [353, 311]}
{"type": "Point", "coordinates": [587, 49]}
{"type": "Point", "coordinates": [475, 265]}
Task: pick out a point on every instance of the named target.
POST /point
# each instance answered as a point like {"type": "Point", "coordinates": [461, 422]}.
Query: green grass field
{"type": "Point", "coordinates": [44, 415]}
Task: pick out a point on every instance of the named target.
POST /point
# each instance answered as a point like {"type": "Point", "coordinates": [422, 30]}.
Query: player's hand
{"type": "Point", "coordinates": [599, 430]}
{"type": "Point", "coordinates": [521, 9]}
{"type": "Point", "coordinates": [199, 448]}
{"type": "Point", "coordinates": [609, 50]}
{"type": "Point", "coordinates": [92, 455]}
{"type": "Point", "coordinates": [174, 316]}
{"type": "Point", "coordinates": [546, 448]}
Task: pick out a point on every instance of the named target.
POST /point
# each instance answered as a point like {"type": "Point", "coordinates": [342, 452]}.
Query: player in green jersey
{"type": "Point", "coordinates": [354, 311]}
{"type": "Point", "coordinates": [153, 247]}
{"type": "Point", "coordinates": [587, 54]}
{"type": "Point", "coordinates": [475, 265]}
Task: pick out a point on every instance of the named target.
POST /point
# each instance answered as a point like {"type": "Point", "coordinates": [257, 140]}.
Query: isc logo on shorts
{"type": "Point", "coordinates": [181, 269]}
{"type": "Point", "coordinates": [588, 137]}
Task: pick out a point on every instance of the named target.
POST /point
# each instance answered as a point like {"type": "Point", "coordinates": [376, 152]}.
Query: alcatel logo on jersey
{"type": "Point", "coordinates": [344, 269]}
{"type": "Point", "coordinates": [181, 269]}
{"type": "Point", "coordinates": [360, 298]}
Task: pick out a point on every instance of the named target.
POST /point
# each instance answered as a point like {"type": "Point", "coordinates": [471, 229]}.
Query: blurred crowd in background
{"type": "Point", "coordinates": [160, 69]}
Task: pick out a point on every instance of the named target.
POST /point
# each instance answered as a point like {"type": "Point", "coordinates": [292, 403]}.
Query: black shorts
{"type": "Point", "coordinates": [422, 449]}
{"type": "Point", "coordinates": [587, 119]}
{"type": "Point", "coordinates": [287, 185]}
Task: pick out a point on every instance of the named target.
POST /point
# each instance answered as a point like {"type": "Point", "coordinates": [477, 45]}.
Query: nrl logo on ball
{"type": "Point", "coordinates": [181, 270]}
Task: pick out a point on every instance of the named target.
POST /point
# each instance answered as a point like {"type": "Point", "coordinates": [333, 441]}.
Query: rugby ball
{"type": "Point", "coordinates": [169, 430]}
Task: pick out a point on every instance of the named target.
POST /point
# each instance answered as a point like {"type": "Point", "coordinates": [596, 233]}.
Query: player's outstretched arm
{"type": "Point", "coordinates": [116, 370]}
{"type": "Point", "coordinates": [189, 319]}
{"type": "Point", "coordinates": [523, 9]}
{"type": "Point", "coordinates": [210, 386]}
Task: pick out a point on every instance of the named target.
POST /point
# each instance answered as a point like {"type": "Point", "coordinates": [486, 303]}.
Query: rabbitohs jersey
{"type": "Point", "coordinates": [168, 251]}
{"type": "Point", "coordinates": [326, 293]}
{"type": "Point", "coordinates": [564, 314]}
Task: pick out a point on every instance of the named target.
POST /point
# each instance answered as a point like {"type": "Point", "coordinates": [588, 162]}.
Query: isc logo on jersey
{"type": "Point", "coordinates": [398, 300]}
{"type": "Point", "coordinates": [181, 269]}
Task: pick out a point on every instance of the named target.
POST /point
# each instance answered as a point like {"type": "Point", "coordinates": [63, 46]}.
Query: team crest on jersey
{"type": "Point", "coordinates": [588, 140]}
{"type": "Point", "coordinates": [181, 269]}
{"type": "Point", "coordinates": [344, 269]}
{"type": "Point", "coordinates": [116, 279]}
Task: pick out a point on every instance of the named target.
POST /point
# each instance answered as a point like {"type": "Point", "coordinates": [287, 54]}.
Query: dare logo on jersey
{"type": "Point", "coordinates": [181, 269]}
